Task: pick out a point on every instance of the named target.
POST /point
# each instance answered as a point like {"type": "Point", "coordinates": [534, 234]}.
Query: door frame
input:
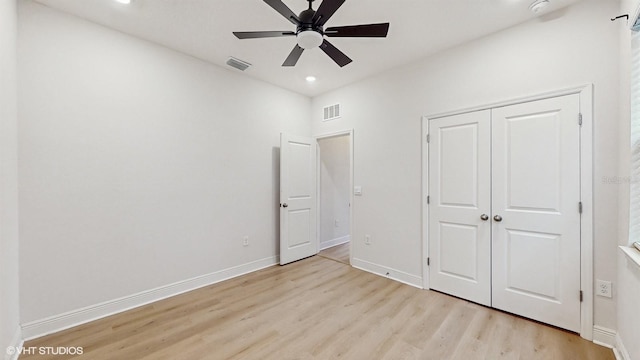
{"type": "Point", "coordinates": [348, 132]}
{"type": "Point", "coordinates": [585, 93]}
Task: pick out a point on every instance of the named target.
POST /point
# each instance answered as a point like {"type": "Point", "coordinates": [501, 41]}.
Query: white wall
{"type": "Point", "coordinates": [628, 281]}
{"type": "Point", "coordinates": [628, 300]}
{"type": "Point", "coordinates": [9, 304]}
{"type": "Point", "coordinates": [139, 166]}
{"type": "Point", "coordinates": [334, 190]}
{"type": "Point", "coordinates": [574, 46]}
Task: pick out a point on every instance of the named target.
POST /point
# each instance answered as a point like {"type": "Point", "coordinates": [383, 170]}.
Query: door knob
{"type": "Point", "coordinates": [497, 218]}
{"type": "Point", "coordinates": [285, 205]}
{"type": "Point", "coordinates": [484, 217]}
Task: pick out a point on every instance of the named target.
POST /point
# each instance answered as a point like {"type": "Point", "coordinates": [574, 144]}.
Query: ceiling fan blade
{"type": "Point", "coordinates": [261, 34]}
{"type": "Point", "coordinates": [293, 57]}
{"type": "Point", "coordinates": [326, 10]}
{"type": "Point", "coordinates": [369, 30]}
{"type": "Point", "coordinates": [338, 56]}
{"type": "Point", "coordinates": [280, 7]}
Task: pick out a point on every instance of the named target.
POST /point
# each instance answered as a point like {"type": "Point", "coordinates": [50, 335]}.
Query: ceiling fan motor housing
{"type": "Point", "coordinates": [308, 36]}
{"type": "Point", "coordinates": [306, 18]}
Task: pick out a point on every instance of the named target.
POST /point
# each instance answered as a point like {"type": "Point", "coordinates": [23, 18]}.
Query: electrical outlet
{"type": "Point", "coordinates": [367, 239]}
{"type": "Point", "coordinates": [603, 288]}
{"type": "Point", "coordinates": [245, 241]}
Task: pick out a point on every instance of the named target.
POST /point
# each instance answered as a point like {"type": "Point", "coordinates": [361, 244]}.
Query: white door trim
{"type": "Point", "coordinates": [326, 136]}
{"type": "Point", "coordinates": [586, 190]}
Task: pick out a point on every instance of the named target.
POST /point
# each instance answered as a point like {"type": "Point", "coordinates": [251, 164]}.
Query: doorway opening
{"type": "Point", "coordinates": [334, 196]}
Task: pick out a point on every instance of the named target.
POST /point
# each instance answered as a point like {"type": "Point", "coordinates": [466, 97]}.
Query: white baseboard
{"type": "Point", "coordinates": [611, 339]}
{"type": "Point", "coordinates": [11, 352]}
{"type": "Point", "coordinates": [73, 318]}
{"type": "Point", "coordinates": [620, 351]}
{"type": "Point", "coordinates": [334, 242]}
{"type": "Point", "coordinates": [603, 336]}
{"type": "Point", "coordinates": [394, 274]}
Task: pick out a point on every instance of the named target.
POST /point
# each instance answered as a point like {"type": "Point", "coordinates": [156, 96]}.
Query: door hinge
{"type": "Point", "coordinates": [428, 199]}
{"type": "Point", "coordinates": [428, 262]}
{"type": "Point", "coordinates": [428, 138]}
{"type": "Point", "coordinates": [580, 119]}
{"type": "Point", "coordinates": [580, 207]}
{"type": "Point", "coordinates": [581, 296]}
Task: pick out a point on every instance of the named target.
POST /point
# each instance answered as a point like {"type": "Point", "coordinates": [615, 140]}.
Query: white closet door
{"type": "Point", "coordinates": [459, 189]}
{"type": "Point", "coordinates": [536, 194]}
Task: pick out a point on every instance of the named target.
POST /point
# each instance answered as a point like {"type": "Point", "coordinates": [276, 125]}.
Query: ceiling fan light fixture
{"type": "Point", "coordinates": [310, 78]}
{"type": "Point", "coordinates": [126, 2]}
{"type": "Point", "coordinates": [309, 39]}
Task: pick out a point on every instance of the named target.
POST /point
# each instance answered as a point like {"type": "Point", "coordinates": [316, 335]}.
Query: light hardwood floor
{"type": "Point", "coordinates": [338, 253]}
{"type": "Point", "coordinates": [318, 309]}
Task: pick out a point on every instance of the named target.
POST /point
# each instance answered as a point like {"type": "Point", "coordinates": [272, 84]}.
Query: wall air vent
{"type": "Point", "coordinates": [238, 64]}
{"type": "Point", "coordinates": [331, 112]}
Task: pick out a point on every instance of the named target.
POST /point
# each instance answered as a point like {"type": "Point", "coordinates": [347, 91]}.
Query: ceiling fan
{"type": "Point", "coordinates": [310, 32]}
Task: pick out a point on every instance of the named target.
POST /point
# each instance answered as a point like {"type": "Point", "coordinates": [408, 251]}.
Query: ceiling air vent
{"type": "Point", "coordinates": [238, 64]}
{"type": "Point", "coordinates": [331, 112]}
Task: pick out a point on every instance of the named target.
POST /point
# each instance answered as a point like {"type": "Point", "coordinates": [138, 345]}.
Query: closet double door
{"type": "Point", "coordinates": [504, 219]}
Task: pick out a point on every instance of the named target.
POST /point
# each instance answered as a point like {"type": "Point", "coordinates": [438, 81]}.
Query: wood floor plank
{"type": "Point", "coordinates": [317, 308]}
{"type": "Point", "coordinates": [339, 253]}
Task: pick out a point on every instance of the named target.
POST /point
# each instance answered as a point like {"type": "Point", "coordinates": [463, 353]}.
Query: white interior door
{"type": "Point", "coordinates": [460, 206]}
{"type": "Point", "coordinates": [536, 194]}
{"type": "Point", "coordinates": [298, 198]}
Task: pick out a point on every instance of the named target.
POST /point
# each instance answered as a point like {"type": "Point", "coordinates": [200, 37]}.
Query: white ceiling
{"type": "Point", "coordinates": [203, 29]}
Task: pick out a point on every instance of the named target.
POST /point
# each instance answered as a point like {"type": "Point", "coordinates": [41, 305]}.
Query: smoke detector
{"type": "Point", "coordinates": [538, 6]}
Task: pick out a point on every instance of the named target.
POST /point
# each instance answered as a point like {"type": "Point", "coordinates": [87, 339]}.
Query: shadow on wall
{"type": "Point", "coordinates": [552, 15]}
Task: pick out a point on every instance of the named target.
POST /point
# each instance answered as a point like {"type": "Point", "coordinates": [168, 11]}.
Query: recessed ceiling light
{"type": "Point", "coordinates": [310, 78]}
{"type": "Point", "coordinates": [124, 1]}
{"type": "Point", "coordinates": [539, 6]}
